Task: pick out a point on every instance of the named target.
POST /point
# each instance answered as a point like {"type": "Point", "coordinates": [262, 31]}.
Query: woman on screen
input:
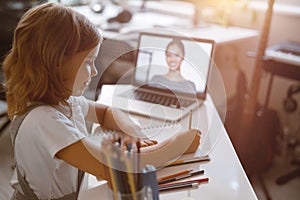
{"type": "Point", "coordinates": [173, 79]}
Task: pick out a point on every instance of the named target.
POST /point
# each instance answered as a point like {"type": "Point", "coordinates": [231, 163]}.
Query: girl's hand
{"type": "Point", "coordinates": [147, 143]}
{"type": "Point", "coordinates": [125, 140]}
{"type": "Point", "coordinates": [116, 119]}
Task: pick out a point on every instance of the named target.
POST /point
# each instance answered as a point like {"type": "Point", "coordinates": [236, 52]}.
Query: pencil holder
{"type": "Point", "coordinates": [145, 185]}
{"type": "Point", "coordinates": [127, 179]}
{"type": "Point", "coordinates": [143, 194]}
{"type": "Point", "coordinates": [149, 179]}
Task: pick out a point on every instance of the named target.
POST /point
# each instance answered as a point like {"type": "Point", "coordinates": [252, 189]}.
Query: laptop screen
{"type": "Point", "coordinates": [175, 63]}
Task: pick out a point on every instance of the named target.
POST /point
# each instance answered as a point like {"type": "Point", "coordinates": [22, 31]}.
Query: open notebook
{"type": "Point", "coordinates": [156, 92]}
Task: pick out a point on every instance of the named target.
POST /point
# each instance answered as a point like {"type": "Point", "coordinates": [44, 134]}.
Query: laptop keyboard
{"type": "Point", "coordinates": [173, 102]}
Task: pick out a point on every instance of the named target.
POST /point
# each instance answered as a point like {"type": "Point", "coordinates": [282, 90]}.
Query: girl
{"type": "Point", "coordinates": [50, 65]}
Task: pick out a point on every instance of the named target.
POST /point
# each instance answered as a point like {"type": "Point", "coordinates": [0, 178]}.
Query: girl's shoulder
{"type": "Point", "coordinates": [43, 112]}
{"type": "Point", "coordinates": [50, 112]}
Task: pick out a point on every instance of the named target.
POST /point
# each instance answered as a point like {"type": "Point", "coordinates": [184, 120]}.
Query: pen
{"type": "Point", "coordinates": [178, 186]}
{"type": "Point", "coordinates": [200, 180]}
{"type": "Point", "coordinates": [130, 178]}
{"type": "Point", "coordinates": [110, 170]}
{"type": "Point", "coordinates": [138, 146]}
{"type": "Point", "coordinates": [181, 177]}
{"type": "Point", "coordinates": [188, 161]}
{"type": "Point", "coordinates": [174, 175]}
{"type": "Point", "coordinates": [190, 119]}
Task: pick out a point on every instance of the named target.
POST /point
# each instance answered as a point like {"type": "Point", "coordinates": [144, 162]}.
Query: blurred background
{"type": "Point", "coordinates": [277, 114]}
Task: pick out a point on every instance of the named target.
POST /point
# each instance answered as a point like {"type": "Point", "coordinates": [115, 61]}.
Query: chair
{"type": "Point", "coordinates": [3, 116]}
{"type": "Point", "coordinates": [5, 35]}
{"type": "Point", "coordinates": [3, 107]}
{"type": "Point", "coordinates": [290, 175]}
{"type": "Point", "coordinates": [290, 106]}
{"type": "Point", "coordinates": [10, 15]}
{"type": "Point", "coordinates": [115, 64]}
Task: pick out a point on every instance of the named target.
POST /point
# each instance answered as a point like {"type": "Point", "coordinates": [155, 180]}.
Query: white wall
{"type": "Point", "coordinates": [285, 26]}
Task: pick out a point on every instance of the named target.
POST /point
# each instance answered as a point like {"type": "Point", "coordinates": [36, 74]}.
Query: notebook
{"type": "Point", "coordinates": [158, 132]}
{"type": "Point", "coordinates": [157, 91]}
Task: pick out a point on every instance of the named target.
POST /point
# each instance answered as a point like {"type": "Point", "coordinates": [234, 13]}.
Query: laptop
{"type": "Point", "coordinates": [159, 89]}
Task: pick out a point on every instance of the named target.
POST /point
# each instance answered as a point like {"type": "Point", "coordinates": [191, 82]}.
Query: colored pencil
{"type": "Point", "coordinates": [201, 180]}
{"type": "Point", "coordinates": [174, 175]}
{"type": "Point", "coordinates": [188, 161]}
{"type": "Point", "coordinates": [181, 177]}
{"type": "Point", "coordinates": [178, 186]}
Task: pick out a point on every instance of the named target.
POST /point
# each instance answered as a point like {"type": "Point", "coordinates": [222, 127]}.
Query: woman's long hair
{"type": "Point", "coordinates": [44, 36]}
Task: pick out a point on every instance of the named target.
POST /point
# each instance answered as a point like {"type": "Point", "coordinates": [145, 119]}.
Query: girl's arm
{"type": "Point", "coordinates": [86, 154]}
{"type": "Point", "coordinates": [96, 112]}
{"type": "Point", "coordinates": [166, 151]}
{"type": "Point", "coordinates": [112, 118]}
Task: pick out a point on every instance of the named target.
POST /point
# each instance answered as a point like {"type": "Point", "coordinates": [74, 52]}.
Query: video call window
{"type": "Point", "coordinates": [152, 61]}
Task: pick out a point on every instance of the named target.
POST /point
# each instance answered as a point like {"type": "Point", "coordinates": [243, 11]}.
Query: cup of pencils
{"type": "Point", "coordinates": [126, 180]}
{"type": "Point", "coordinates": [142, 194]}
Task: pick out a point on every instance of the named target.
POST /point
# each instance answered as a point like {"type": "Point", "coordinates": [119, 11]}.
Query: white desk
{"type": "Point", "coordinates": [227, 179]}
